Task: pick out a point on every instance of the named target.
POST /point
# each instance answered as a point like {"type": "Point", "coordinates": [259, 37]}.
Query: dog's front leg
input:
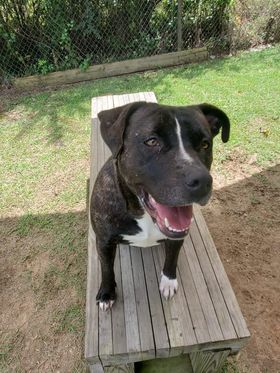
{"type": "Point", "coordinates": [106, 294]}
{"type": "Point", "coordinates": [168, 283]}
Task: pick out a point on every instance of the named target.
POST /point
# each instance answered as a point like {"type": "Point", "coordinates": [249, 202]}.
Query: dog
{"type": "Point", "coordinates": [143, 195]}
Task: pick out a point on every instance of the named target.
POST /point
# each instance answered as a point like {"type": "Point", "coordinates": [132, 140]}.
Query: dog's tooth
{"type": "Point", "coordinates": [166, 222]}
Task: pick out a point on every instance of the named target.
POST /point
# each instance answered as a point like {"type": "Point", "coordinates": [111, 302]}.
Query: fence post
{"type": "Point", "coordinates": [179, 25]}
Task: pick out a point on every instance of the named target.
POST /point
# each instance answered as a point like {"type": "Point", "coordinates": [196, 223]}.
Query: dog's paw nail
{"type": "Point", "coordinates": [105, 306]}
{"type": "Point", "coordinates": [168, 287]}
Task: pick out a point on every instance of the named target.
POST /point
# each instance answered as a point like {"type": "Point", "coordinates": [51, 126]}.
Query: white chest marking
{"type": "Point", "coordinates": [183, 154]}
{"type": "Point", "coordinates": [149, 234]}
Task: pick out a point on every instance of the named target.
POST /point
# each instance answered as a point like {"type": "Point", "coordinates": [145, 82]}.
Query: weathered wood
{"type": "Point", "coordinates": [91, 339]}
{"type": "Point", "coordinates": [95, 368]}
{"type": "Point", "coordinates": [105, 318]}
{"type": "Point", "coordinates": [222, 278]}
{"type": "Point", "coordinates": [191, 296]}
{"type": "Point", "coordinates": [118, 320]}
{"type": "Point", "coordinates": [212, 285]}
{"type": "Point", "coordinates": [112, 69]}
{"type": "Point", "coordinates": [130, 311]}
{"type": "Point", "coordinates": [127, 368]}
{"type": "Point", "coordinates": [177, 316]}
{"type": "Point", "coordinates": [208, 362]}
{"type": "Point", "coordinates": [203, 316]}
{"type": "Point", "coordinates": [161, 337]}
{"type": "Point", "coordinates": [92, 315]}
{"type": "Point", "coordinates": [143, 312]}
{"type": "Point", "coordinates": [202, 291]}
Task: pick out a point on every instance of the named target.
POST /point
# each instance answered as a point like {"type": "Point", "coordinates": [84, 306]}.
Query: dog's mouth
{"type": "Point", "coordinates": [173, 221]}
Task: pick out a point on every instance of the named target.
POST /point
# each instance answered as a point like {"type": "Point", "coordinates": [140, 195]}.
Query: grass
{"type": "Point", "coordinates": [70, 320]}
{"type": "Point", "coordinates": [45, 137]}
{"type": "Point", "coordinates": [44, 166]}
{"type": "Point", "coordinates": [230, 367]}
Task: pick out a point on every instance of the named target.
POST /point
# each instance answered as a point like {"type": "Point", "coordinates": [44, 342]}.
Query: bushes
{"type": "Point", "coordinates": [255, 22]}
{"type": "Point", "coordinates": [50, 35]}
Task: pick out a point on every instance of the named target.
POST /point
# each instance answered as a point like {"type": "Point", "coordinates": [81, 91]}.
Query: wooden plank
{"type": "Point", "coordinates": [190, 293]}
{"type": "Point", "coordinates": [178, 320]}
{"type": "Point", "coordinates": [143, 312]}
{"type": "Point", "coordinates": [133, 349]}
{"type": "Point", "coordinates": [128, 98]}
{"type": "Point", "coordinates": [208, 362]}
{"type": "Point", "coordinates": [127, 368]}
{"type": "Point", "coordinates": [149, 96]}
{"type": "Point", "coordinates": [202, 291]}
{"type": "Point", "coordinates": [105, 318]}
{"type": "Point", "coordinates": [157, 316]}
{"type": "Point", "coordinates": [117, 99]}
{"type": "Point", "coordinates": [130, 311]}
{"type": "Point", "coordinates": [95, 368]}
{"type": "Point", "coordinates": [234, 345]}
{"type": "Point", "coordinates": [222, 278]}
{"type": "Point", "coordinates": [212, 285]}
{"type": "Point", "coordinates": [107, 151]}
{"type": "Point", "coordinates": [105, 331]}
{"type": "Point", "coordinates": [104, 103]}
{"type": "Point", "coordinates": [92, 314]}
{"type": "Point", "coordinates": [118, 320]}
{"type": "Point", "coordinates": [91, 337]}
{"type": "Point", "coordinates": [112, 69]}
{"type": "Point", "coordinates": [93, 147]}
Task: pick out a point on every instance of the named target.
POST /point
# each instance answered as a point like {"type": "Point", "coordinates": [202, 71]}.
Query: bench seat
{"type": "Point", "coordinates": [203, 321]}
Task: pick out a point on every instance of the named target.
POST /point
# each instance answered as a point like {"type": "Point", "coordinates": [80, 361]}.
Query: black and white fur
{"type": "Point", "coordinates": [159, 153]}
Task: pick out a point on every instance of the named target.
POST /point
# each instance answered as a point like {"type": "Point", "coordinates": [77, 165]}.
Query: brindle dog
{"type": "Point", "coordinates": [143, 195]}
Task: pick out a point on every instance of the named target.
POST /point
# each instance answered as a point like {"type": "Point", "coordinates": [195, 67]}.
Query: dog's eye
{"type": "Point", "coordinates": [204, 145]}
{"type": "Point", "coordinates": [152, 141]}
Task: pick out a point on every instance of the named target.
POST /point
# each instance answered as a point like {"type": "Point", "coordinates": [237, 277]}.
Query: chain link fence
{"type": "Point", "coordinates": [41, 36]}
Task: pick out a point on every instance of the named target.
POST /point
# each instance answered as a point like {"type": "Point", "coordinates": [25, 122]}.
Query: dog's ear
{"type": "Point", "coordinates": [217, 119]}
{"type": "Point", "coordinates": [113, 123]}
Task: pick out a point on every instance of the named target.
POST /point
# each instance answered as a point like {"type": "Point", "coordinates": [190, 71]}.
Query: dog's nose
{"type": "Point", "coordinates": [199, 183]}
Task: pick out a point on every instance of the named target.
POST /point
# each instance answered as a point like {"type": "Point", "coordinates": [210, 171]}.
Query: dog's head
{"type": "Point", "coordinates": [164, 154]}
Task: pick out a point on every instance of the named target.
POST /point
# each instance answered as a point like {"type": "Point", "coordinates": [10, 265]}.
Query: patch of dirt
{"type": "Point", "coordinates": [40, 279]}
{"type": "Point", "coordinates": [244, 220]}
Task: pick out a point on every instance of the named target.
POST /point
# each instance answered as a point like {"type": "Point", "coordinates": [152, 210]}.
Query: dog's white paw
{"type": "Point", "coordinates": [105, 306]}
{"type": "Point", "coordinates": [168, 287]}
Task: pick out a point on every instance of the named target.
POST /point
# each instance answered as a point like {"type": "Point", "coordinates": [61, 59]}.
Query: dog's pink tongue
{"type": "Point", "coordinates": [178, 217]}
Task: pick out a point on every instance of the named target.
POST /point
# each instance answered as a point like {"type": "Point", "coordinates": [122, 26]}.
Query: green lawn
{"type": "Point", "coordinates": [45, 136]}
{"type": "Point", "coordinates": [44, 165]}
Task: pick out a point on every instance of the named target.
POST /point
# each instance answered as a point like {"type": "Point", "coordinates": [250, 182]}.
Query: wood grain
{"type": "Point", "coordinates": [127, 368]}
{"type": "Point", "coordinates": [222, 278]}
{"type": "Point", "coordinates": [208, 362]}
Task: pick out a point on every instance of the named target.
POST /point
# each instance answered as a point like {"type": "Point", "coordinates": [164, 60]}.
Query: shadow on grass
{"type": "Point", "coordinates": [43, 264]}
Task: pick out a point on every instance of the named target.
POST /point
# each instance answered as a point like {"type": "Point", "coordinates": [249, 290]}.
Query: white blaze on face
{"type": "Point", "coordinates": [183, 154]}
